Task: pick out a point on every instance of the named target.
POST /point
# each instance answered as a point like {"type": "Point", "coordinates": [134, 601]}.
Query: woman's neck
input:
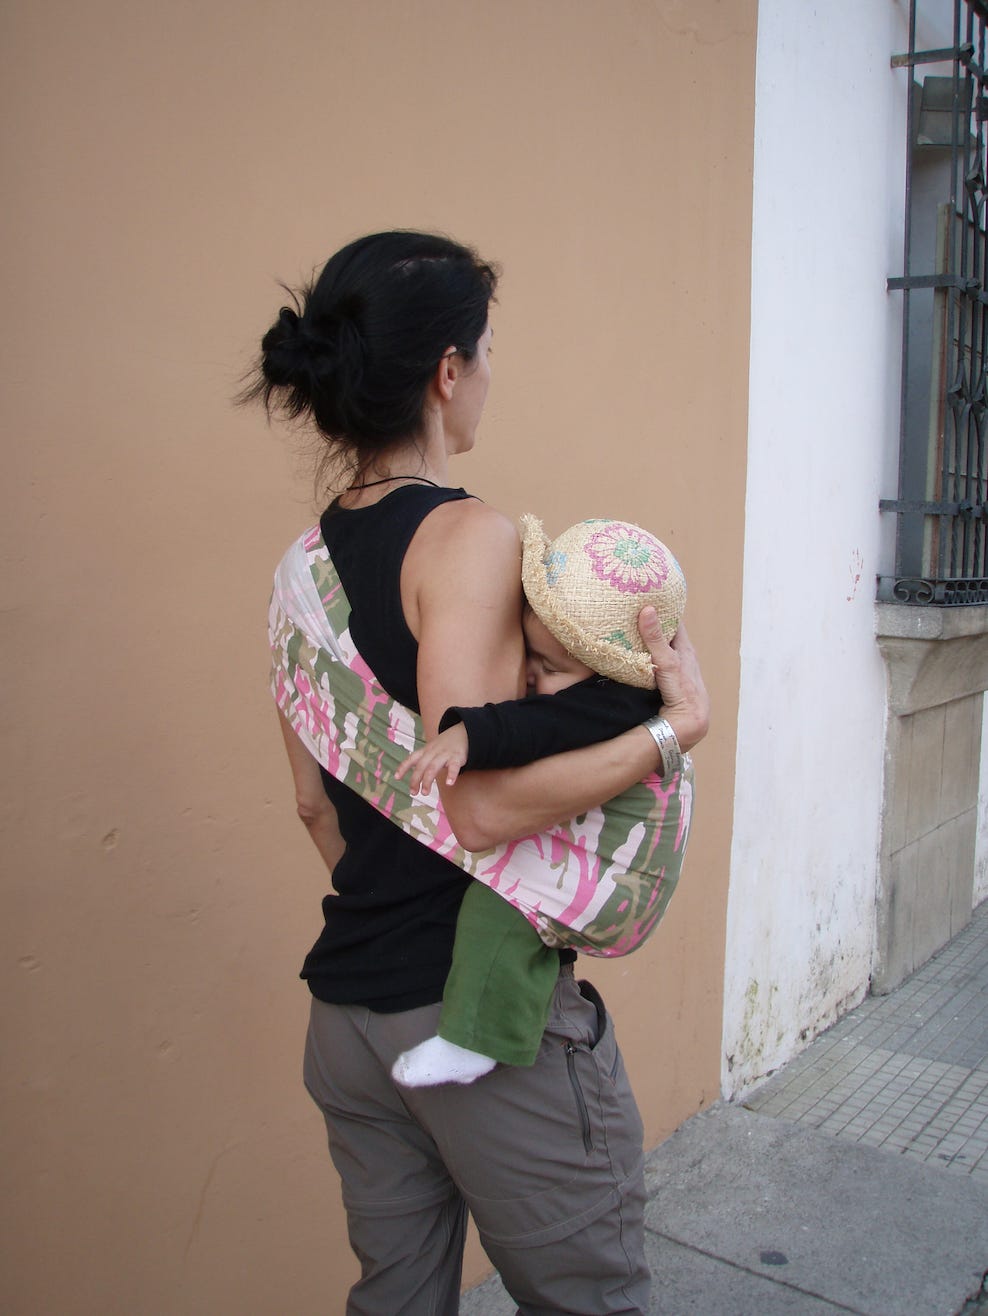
{"type": "Point", "coordinates": [415, 463]}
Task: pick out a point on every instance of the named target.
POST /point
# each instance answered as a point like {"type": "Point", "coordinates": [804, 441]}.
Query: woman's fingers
{"type": "Point", "coordinates": [685, 702]}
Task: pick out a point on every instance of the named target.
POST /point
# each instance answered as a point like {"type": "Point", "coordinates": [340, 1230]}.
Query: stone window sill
{"type": "Point", "coordinates": [933, 655]}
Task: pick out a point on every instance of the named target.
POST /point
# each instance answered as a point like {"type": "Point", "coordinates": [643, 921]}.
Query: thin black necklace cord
{"type": "Point", "coordinates": [369, 484]}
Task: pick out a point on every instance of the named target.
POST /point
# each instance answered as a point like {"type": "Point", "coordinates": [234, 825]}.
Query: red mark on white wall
{"type": "Point", "coordinates": [855, 568]}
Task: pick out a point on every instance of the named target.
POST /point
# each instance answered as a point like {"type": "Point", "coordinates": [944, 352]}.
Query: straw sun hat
{"type": "Point", "coordinates": [588, 586]}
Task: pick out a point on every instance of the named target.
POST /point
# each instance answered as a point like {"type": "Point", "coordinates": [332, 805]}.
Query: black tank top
{"type": "Point", "coordinates": [387, 939]}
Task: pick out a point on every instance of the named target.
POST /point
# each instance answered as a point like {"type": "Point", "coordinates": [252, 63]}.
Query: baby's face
{"type": "Point", "coordinates": [548, 667]}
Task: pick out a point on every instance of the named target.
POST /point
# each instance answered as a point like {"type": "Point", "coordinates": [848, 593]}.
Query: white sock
{"type": "Point", "coordinates": [437, 1061]}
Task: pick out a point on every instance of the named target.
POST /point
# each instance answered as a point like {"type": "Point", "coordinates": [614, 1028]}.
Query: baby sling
{"type": "Point", "coordinates": [599, 883]}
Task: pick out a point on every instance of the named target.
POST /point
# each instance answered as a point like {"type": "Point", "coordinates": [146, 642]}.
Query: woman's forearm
{"type": "Point", "coordinates": [485, 808]}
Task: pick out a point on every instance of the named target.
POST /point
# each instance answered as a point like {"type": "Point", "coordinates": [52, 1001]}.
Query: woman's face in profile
{"type": "Point", "coordinates": [469, 396]}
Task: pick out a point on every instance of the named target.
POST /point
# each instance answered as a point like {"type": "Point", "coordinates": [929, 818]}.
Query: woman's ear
{"type": "Point", "coordinates": [447, 373]}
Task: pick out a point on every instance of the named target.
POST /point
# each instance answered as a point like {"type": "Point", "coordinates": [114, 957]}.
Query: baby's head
{"type": "Point", "coordinates": [585, 590]}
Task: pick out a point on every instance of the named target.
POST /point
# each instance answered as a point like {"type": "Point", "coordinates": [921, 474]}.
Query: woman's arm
{"type": "Point", "coordinates": [515, 732]}
{"type": "Point", "coordinates": [461, 588]}
{"type": "Point", "coordinates": [314, 806]}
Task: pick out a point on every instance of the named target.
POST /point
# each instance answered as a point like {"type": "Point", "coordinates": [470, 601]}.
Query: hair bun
{"type": "Point", "coordinates": [315, 358]}
{"type": "Point", "coordinates": [288, 319]}
{"type": "Point", "coordinates": [283, 348]}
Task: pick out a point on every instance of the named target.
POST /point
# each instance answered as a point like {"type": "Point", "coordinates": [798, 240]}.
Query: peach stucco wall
{"type": "Point", "coordinates": [164, 165]}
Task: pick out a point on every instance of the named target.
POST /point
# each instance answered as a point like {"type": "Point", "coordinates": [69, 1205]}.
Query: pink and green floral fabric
{"type": "Point", "coordinates": [599, 883]}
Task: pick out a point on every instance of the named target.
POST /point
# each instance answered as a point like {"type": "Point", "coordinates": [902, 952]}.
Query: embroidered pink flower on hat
{"type": "Point", "coordinates": [627, 558]}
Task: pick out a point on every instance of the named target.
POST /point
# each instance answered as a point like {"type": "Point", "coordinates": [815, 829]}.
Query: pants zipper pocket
{"type": "Point", "coordinates": [581, 1101]}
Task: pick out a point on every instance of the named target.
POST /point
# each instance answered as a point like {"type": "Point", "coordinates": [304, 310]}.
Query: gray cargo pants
{"type": "Point", "coordinates": [548, 1159]}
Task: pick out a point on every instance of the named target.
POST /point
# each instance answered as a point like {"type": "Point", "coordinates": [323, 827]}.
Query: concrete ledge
{"type": "Point", "coordinates": [905, 622]}
{"type": "Point", "coordinates": [925, 671]}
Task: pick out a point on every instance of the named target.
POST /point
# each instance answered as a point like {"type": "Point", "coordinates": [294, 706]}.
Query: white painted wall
{"type": "Point", "coordinates": [823, 425]}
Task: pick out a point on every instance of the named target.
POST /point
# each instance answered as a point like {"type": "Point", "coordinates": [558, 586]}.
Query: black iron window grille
{"type": "Point", "coordinates": [941, 519]}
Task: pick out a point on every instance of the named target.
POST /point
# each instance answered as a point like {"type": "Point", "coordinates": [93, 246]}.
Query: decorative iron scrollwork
{"type": "Point", "coordinates": [958, 593]}
{"type": "Point", "coordinates": [914, 591]}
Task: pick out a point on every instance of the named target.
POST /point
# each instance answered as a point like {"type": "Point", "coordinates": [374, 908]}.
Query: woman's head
{"type": "Point", "coordinates": [588, 586]}
{"type": "Point", "coordinates": [358, 348]}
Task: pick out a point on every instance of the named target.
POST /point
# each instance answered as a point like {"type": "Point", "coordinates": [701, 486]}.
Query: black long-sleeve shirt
{"type": "Point", "coordinates": [518, 731]}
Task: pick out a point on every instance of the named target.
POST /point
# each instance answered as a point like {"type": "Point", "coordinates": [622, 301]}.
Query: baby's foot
{"type": "Point", "coordinates": [437, 1061]}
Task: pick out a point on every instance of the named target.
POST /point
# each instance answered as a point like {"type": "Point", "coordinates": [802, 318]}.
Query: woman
{"type": "Point", "coordinates": [388, 354]}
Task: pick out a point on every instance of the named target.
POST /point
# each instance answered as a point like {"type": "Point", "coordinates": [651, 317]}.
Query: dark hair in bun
{"type": "Point", "coordinates": [358, 347]}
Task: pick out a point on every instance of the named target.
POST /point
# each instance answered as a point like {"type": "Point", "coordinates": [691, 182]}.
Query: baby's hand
{"type": "Point", "coordinates": [448, 750]}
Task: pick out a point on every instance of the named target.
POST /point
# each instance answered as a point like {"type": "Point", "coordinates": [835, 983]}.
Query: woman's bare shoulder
{"type": "Point", "coordinates": [471, 519]}
{"type": "Point", "coordinates": [465, 557]}
{"type": "Point", "coordinates": [464, 537]}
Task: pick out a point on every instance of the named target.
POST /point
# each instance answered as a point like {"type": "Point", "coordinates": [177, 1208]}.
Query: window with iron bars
{"type": "Point", "coordinates": [941, 520]}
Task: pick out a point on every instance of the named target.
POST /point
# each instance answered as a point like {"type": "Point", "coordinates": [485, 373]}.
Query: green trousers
{"type": "Point", "coordinates": [501, 981]}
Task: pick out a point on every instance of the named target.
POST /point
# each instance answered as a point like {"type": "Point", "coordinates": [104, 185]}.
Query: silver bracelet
{"type": "Point", "coordinates": [665, 738]}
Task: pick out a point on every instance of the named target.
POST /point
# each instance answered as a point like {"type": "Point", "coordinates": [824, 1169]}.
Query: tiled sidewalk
{"type": "Point", "coordinates": [907, 1072]}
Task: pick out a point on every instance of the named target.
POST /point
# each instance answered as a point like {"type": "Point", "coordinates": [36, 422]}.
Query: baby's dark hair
{"type": "Point", "coordinates": [358, 346]}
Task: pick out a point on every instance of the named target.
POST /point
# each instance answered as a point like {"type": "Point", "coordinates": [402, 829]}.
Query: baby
{"type": "Point", "coordinates": [591, 678]}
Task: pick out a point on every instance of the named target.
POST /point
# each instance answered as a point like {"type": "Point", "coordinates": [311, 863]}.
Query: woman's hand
{"type": "Point", "coordinates": [685, 702]}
